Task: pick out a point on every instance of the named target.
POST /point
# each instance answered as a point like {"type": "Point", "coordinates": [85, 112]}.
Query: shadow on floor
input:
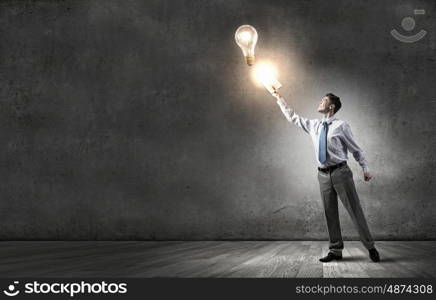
{"type": "Point", "coordinates": [354, 258]}
{"type": "Point", "coordinates": [382, 259]}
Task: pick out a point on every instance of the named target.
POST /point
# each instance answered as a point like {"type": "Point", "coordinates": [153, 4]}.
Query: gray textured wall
{"type": "Point", "coordinates": [139, 120]}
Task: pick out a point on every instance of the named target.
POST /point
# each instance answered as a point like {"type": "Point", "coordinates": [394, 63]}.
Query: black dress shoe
{"type": "Point", "coordinates": [373, 254]}
{"type": "Point", "coordinates": [330, 256]}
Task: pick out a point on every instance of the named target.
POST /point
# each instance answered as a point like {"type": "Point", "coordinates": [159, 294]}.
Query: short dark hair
{"type": "Point", "coordinates": [334, 100]}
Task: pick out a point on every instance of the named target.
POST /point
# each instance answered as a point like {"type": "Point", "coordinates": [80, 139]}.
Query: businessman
{"type": "Point", "coordinates": [332, 139]}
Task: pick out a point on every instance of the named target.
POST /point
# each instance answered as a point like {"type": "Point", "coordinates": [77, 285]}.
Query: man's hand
{"type": "Point", "coordinates": [367, 176]}
{"type": "Point", "coordinates": [276, 94]}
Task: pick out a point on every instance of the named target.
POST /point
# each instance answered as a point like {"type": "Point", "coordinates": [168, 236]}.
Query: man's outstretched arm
{"type": "Point", "coordinates": [305, 124]}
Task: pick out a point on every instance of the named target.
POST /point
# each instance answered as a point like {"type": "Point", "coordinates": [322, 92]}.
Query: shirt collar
{"type": "Point", "coordinates": [329, 120]}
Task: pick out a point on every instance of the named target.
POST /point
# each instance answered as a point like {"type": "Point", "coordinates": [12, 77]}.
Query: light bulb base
{"type": "Point", "coordinates": [250, 60]}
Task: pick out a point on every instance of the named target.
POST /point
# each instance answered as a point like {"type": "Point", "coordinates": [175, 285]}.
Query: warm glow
{"type": "Point", "coordinates": [265, 74]}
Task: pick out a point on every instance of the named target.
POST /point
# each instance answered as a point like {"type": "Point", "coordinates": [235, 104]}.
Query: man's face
{"type": "Point", "coordinates": [324, 105]}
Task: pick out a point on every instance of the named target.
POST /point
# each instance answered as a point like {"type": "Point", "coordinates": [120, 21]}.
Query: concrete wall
{"type": "Point", "coordinates": [139, 119]}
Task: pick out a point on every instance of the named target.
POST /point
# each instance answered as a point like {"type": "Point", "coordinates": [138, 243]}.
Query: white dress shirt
{"type": "Point", "coordinates": [339, 137]}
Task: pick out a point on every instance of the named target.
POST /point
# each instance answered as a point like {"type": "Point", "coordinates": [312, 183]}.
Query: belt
{"type": "Point", "coordinates": [331, 168]}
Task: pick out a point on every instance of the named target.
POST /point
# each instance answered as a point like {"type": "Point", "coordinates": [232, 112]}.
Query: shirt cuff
{"type": "Point", "coordinates": [365, 169]}
{"type": "Point", "coordinates": [281, 102]}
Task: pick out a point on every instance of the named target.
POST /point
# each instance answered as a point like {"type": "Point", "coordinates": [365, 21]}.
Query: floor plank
{"type": "Point", "coordinates": [312, 268]}
{"type": "Point", "coordinates": [189, 259]}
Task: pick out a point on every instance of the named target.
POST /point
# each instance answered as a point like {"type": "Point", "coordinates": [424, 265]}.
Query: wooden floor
{"type": "Point", "coordinates": [212, 259]}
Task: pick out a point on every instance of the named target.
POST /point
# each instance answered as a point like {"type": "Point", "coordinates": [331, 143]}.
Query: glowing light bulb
{"type": "Point", "coordinates": [266, 74]}
{"type": "Point", "coordinates": [246, 38]}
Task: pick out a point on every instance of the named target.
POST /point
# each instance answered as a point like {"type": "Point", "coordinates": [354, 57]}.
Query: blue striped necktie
{"type": "Point", "coordinates": [322, 153]}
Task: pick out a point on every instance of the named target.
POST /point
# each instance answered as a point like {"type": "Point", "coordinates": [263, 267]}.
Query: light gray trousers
{"type": "Point", "coordinates": [339, 182]}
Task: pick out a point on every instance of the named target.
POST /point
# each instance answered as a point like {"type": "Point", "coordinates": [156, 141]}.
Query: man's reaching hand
{"type": "Point", "coordinates": [276, 94]}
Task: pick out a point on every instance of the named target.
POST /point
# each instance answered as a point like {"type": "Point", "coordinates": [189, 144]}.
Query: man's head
{"type": "Point", "coordinates": [329, 103]}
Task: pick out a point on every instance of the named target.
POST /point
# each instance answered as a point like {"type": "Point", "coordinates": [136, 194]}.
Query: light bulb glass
{"type": "Point", "coordinates": [246, 38]}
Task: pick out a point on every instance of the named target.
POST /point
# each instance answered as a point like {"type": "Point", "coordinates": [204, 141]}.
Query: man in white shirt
{"type": "Point", "coordinates": [332, 139]}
